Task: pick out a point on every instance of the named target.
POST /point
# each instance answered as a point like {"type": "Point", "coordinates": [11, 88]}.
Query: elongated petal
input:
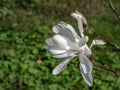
{"type": "Point", "coordinates": [83, 41]}
{"type": "Point", "coordinates": [50, 42]}
{"type": "Point", "coordinates": [63, 55]}
{"type": "Point", "coordinates": [88, 78]}
{"type": "Point", "coordinates": [67, 30]}
{"type": "Point", "coordinates": [77, 15]}
{"type": "Point", "coordinates": [86, 68]}
{"type": "Point", "coordinates": [61, 66]}
{"type": "Point", "coordinates": [84, 21]}
{"type": "Point", "coordinates": [66, 54]}
{"type": "Point", "coordinates": [57, 51]}
{"type": "Point", "coordinates": [86, 65]}
{"type": "Point", "coordinates": [61, 42]}
{"type": "Point", "coordinates": [73, 45]}
{"type": "Point", "coordinates": [46, 47]}
{"type": "Point", "coordinates": [80, 26]}
{"type": "Point", "coordinates": [56, 29]}
{"type": "Point", "coordinates": [87, 51]}
{"type": "Point", "coordinates": [97, 42]}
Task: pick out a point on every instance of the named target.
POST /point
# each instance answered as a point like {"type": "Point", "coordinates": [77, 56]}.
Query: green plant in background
{"type": "Point", "coordinates": [25, 64]}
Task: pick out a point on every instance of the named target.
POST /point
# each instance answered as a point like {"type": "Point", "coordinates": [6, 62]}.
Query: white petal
{"type": "Point", "coordinates": [85, 64]}
{"type": "Point", "coordinates": [83, 67]}
{"type": "Point", "coordinates": [83, 41]}
{"type": "Point", "coordinates": [63, 55]}
{"type": "Point", "coordinates": [77, 15]}
{"type": "Point", "coordinates": [50, 42]}
{"type": "Point", "coordinates": [56, 51]}
{"type": "Point", "coordinates": [84, 21]}
{"type": "Point", "coordinates": [66, 30]}
{"type": "Point", "coordinates": [73, 45]}
{"type": "Point", "coordinates": [97, 42]}
{"type": "Point", "coordinates": [88, 78]}
{"type": "Point", "coordinates": [47, 47]}
{"type": "Point", "coordinates": [61, 42]}
{"type": "Point", "coordinates": [86, 68]}
{"type": "Point", "coordinates": [87, 51]}
{"type": "Point", "coordinates": [56, 29]}
{"type": "Point", "coordinates": [80, 26]}
{"type": "Point", "coordinates": [61, 66]}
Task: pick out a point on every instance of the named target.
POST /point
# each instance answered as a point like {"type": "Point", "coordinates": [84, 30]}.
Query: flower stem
{"type": "Point", "coordinates": [107, 68]}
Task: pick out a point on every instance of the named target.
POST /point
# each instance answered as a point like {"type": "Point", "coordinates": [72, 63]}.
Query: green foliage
{"type": "Point", "coordinates": [26, 65]}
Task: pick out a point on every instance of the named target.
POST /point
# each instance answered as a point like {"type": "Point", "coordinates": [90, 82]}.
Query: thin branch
{"type": "Point", "coordinates": [108, 50]}
{"type": "Point", "coordinates": [115, 48]}
{"type": "Point", "coordinates": [107, 68]}
{"type": "Point", "coordinates": [91, 57]}
{"type": "Point", "coordinates": [112, 7]}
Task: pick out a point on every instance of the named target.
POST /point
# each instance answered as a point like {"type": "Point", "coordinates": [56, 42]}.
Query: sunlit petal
{"type": "Point", "coordinates": [56, 51]}
{"type": "Point", "coordinates": [66, 54]}
{"type": "Point", "coordinates": [80, 26]}
{"type": "Point", "coordinates": [85, 63]}
{"type": "Point", "coordinates": [83, 41]}
{"type": "Point", "coordinates": [67, 30]}
{"type": "Point", "coordinates": [77, 15]}
{"type": "Point", "coordinates": [50, 42]}
{"type": "Point", "coordinates": [61, 66]}
{"type": "Point", "coordinates": [73, 45]}
{"type": "Point", "coordinates": [61, 42]}
{"type": "Point", "coordinates": [88, 78]}
{"type": "Point", "coordinates": [63, 55]}
{"type": "Point", "coordinates": [87, 51]}
{"type": "Point", "coordinates": [56, 29]}
{"type": "Point", "coordinates": [97, 42]}
{"type": "Point", "coordinates": [84, 21]}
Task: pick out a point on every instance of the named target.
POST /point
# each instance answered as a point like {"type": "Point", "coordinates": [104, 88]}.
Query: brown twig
{"type": "Point", "coordinates": [107, 68]}
{"type": "Point", "coordinates": [108, 50]}
{"type": "Point", "coordinates": [114, 47]}
{"type": "Point", "coordinates": [91, 57]}
{"type": "Point", "coordinates": [112, 7]}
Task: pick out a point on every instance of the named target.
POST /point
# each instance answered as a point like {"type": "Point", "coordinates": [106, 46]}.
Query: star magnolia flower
{"type": "Point", "coordinates": [66, 43]}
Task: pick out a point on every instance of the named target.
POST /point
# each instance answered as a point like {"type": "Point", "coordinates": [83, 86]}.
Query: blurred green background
{"type": "Point", "coordinates": [26, 24]}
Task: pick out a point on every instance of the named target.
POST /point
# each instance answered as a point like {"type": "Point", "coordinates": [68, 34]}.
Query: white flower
{"type": "Point", "coordinates": [66, 43]}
